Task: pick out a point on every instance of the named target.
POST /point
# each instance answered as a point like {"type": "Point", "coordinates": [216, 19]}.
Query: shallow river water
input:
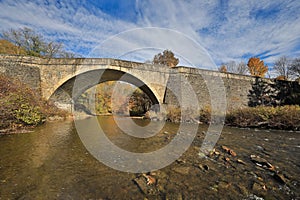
{"type": "Point", "coordinates": [52, 163]}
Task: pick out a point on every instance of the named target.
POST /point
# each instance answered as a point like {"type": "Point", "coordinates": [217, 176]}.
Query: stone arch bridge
{"type": "Point", "coordinates": [50, 76]}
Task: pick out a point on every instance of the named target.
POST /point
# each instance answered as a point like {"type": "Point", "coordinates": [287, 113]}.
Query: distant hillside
{"type": "Point", "coordinates": [7, 47]}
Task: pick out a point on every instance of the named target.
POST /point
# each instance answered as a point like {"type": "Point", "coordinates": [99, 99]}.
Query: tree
{"type": "Point", "coordinates": [65, 54]}
{"type": "Point", "coordinates": [295, 68]}
{"type": "Point", "coordinates": [117, 97]}
{"type": "Point", "coordinates": [242, 68]}
{"type": "Point", "coordinates": [281, 78]}
{"type": "Point", "coordinates": [25, 39]}
{"type": "Point", "coordinates": [282, 66]}
{"type": "Point", "coordinates": [233, 67]}
{"type": "Point", "coordinates": [262, 93]}
{"type": "Point", "coordinates": [166, 58]}
{"type": "Point", "coordinates": [52, 48]}
{"type": "Point", "coordinates": [223, 68]}
{"type": "Point", "coordinates": [257, 67]}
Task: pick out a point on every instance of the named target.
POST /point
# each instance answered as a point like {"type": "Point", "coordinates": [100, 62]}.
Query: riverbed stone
{"type": "Point", "coordinates": [280, 177]}
{"type": "Point", "coordinates": [203, 167]}
{"type": "Point", "coordinates": [182, 170]}
{"type": "Point", "coordinates": [174, 196]}
{"type": "Point", "coordinates": [142, 184]}
{"type": "Point", "coordinates": [259, 189]}
{"type": "Point", "coordinates": [261, 162]}
{"type": "Point", "coordinates": [243, 190]}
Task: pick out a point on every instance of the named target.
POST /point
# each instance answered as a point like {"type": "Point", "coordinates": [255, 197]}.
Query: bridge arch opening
{"type": "Point", "coordinates": [68, 94]}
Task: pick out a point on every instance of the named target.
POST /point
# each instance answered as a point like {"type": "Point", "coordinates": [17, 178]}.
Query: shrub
{"type": "Point", "coordinates": [29, 115]}
{"type": "Point", "coordinates": [281, 117]}
{"type": "Point", "coordinates": [173, 114]}
{"type": "Point", "coordinates": [21, 106]}
{"type": "Point", "coordinates": [205, 114]}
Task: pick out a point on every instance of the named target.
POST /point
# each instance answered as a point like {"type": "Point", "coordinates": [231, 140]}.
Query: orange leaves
{"type": "Point", "coordinates": [257, 67]}
{"type": "Point", "coordinates": [223, 68]}
{"type": "Point", "coordinates": [166, 58]}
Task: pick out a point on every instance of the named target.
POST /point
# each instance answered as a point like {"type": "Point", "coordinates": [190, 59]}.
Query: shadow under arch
{"type": "Point", "coordinates": [69, 91]}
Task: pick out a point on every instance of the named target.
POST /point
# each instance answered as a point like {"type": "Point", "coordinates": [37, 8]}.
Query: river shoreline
{"type": "Point", "coordinates": [82, 116]}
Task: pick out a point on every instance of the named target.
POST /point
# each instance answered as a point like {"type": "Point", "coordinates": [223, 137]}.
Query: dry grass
{"type": "Point", "coordinates": [281, 117]}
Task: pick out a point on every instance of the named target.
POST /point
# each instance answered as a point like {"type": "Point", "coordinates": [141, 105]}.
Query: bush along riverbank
{"type": "Point", "coordinates": [22, 108]}
{"type": "Point", "coordinates": [281, 117]}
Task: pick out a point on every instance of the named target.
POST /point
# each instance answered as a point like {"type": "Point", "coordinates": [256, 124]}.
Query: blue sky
{"type": "Point", "coordinates": [222, 30]}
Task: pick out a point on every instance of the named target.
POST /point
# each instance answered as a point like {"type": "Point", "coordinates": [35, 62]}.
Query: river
{"type": "Point", "coordinates": [52, 163]}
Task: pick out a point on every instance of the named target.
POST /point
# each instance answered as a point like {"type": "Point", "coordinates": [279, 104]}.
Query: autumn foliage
{"type": "Point", "coordinates": [223, 69]}
{"type": "Point", "coordinates": [21, 106]}
{"type": "Point", "coordinates": [257, 67]}
{"type": "Point", "coordinates": [118, 98]}
{"type": "Point", "coordinates": [280, 117]}
{"type": "Point", "coordinates": [166, 58]}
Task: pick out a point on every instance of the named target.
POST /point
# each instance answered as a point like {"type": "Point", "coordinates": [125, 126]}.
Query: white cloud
{"type": "Point", "coordinates": [76, 26]}
{"type": "Point", "coordinates": [228, 30]}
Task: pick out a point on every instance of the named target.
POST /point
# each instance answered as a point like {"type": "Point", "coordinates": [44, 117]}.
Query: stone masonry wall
{"type": "Point", "coordinates": [22, 68]}
{"type": "Point", "coordinates": [239, 89]}
{"type": "Point", "coordinates": [209, 83]}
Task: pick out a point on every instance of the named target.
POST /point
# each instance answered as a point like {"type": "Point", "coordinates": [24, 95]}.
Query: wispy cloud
{"type": "Point", "coordinates": [228, 30]}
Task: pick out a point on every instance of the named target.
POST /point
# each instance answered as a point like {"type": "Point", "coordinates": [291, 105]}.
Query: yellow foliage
{"type": "Point", "coordinates": [281, 78]}
{"type": "Point", "coordinates": [223, 68]}
{"type": "Point", "coordinates": [166, 58]}
{"type": "Point", "coordinates": [257, 67]}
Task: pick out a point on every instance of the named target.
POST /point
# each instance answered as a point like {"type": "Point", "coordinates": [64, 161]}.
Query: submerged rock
{"type": "Point", "coordinates": [202, 155]}
{"type": "Point", "coordinates": [253, 197]}
{"type": "Point", "coordinates": [182, 170]}
{"type": "Point", "coordinates": [240, 161]}
{"type": "Point", "coordinates": [229, 151]}
{"type": "Point", "coordinates": [261, 162]}
{"type": "Point", "coordinates": [173, 196]}
{"type": "Point", "coordinates": [141, 183]}
{"type": "Point", "coordinates": [280, 177]}
{"type": "Point", "coordinates": [146, 184]}
{"type": "Point", "coordinates": [203, 167]}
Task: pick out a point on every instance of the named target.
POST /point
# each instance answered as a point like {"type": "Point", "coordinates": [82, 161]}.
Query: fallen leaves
{"type": "Point", "coordinates": [146, 182]}
{"type": "Point", "coordinates": [149, 179]}
{"type": "Point", "coordinates": [229, 151]}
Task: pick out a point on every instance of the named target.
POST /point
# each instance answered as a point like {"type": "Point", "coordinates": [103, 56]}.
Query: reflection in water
{"type": "Point", "coordinates": [133, 144]}
{"type": "Point", "coordinates": [52, 163]}
{"type": "Point", "coordinates": [41, 145]}
{"type": "Point", "coordinates": [108, 152]}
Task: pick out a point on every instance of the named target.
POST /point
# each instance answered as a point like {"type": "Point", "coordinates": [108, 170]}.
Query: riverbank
{"type": "Point", "coordinates": [22, 108]}
{"type": "Point", "coordinates": [266, 117]}
{"type": "Point", "coordinates": [281, 117]}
